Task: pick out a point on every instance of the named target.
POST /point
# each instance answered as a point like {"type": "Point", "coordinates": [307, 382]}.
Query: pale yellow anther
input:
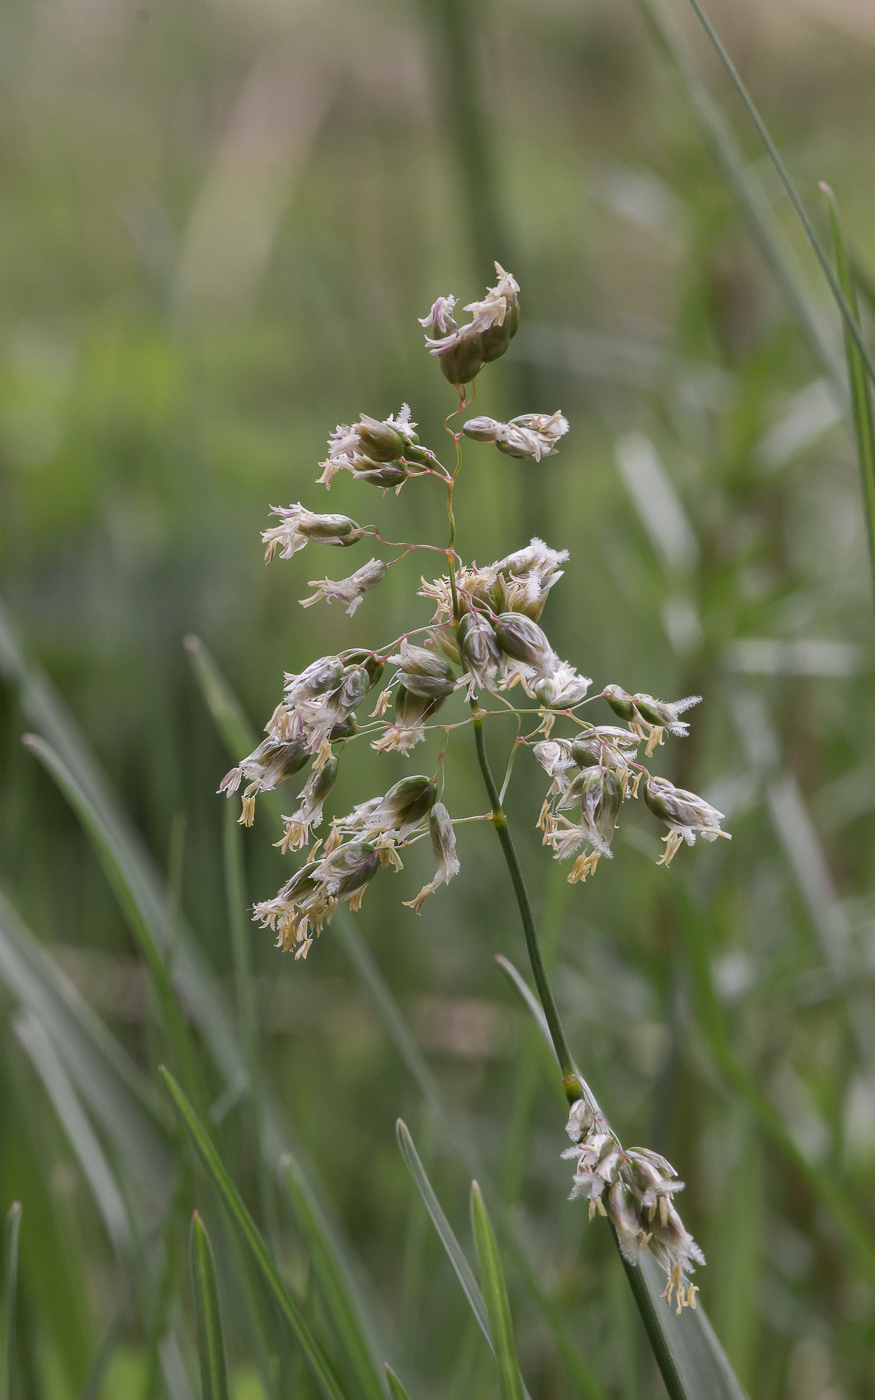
{"type": "Point", "coordinates": [654, 739]}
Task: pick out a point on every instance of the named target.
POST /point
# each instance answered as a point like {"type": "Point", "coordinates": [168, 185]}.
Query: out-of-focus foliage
{"type": "Point", "coordinates": [219, 221]}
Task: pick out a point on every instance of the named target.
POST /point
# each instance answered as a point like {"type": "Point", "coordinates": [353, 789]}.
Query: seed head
{"type": "Point", "coordinates": [523, 640]}
{"type": "Point", "coordinates": [443, 841]}
{"type": "Point", "coordinates": [349, 590]}
{"type": "Point", "coordinates": [371, 449]}
{"type": "Point", "coordinates": [300, 525]}
{"type": "Point", "coordinates": [269, 764]}
{"type": "Point", "coordinates": [663, 714]}
{"type": "Point", "coordinates": [480, 651]}
{"type": "Point", "coordinates": [316, 679]}
{"type": "Point", "coordinates": [563, 689]}
{"type": "Point", "coordinates": [464, 349]}
{"type": "Point", "coordinates": [402, 808]}
{"type": "Point", "coordinates": [422, 672]}
{"type": "Point", "coordinates": [526, 577]}
{"type": "Point", "coordinates": [412, 713]}
{"type": "Point", "coordinates": [685, 814]}
{"type": "Point", "coordinates": [311, 801]}
{"type": "Point", "coordinates": [556, 758]}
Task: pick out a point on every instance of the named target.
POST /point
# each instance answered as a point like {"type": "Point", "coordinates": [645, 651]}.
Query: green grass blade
{"type": "Point", "coordinates": [135, 913]}
{"type": "Point", "coordinates": [455, 24]}
{"type": "Point", "coordinates": [80, 1134]}
{"type": "Point", "coordinates": [247, 1017]}
{"type": "Point", "coordinates": [824, 1181]}
{"type": "Point", "coordinates": [454, 1250]}
{"type": "Point", "coordinates": [118, 1094]}
{"type": "Point", "coordinates": [851, 324]}
{"type": "Point", "coordinates": [777, 253]}
{"type": "Point", "coordinates": [207, 1315]}
{"type": "Point", "coordinates": [530, 1001]}
{"type": "Point", "coordinates": [691, 1360]}
{"type": "Point", "coordinates": [371, 978]}
{"type": "Point", "coordinates": [11, 1232]}
{"type": "Point", "coordinates": [861, 390]}
{"type": "Point", "coordinates": [245, 1227]}
{"type": "Point", "coordinates": [395, 1386]}
{"type": "Point", "coordinates": [222, 703]}
{"type": "Point", "coordinates": [395, 1025]}
{"type": "Point", "coordinates": [92, 1388]}
{"type": "Point", "coordinates": [497, 1304]}
{"type": "Point", "coordinates": [328, 1268]}
{"type": "Point", "coordinates": [47, 713]}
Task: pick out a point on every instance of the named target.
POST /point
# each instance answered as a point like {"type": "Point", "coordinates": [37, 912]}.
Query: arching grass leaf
{"type": "Point", "coordinates": [212, 1360]}
{"type": "Point", "coordinates": [245, 1226]}
{"type": "Point", "coordinates": [497, 1303]}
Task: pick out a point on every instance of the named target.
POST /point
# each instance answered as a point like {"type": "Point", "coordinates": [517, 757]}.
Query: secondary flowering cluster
{"type": "Point", "coordinates": [635, 1189]}
{"type": "Point", "coordinates": [358, 845]}
{"type": "Point", "coordinates": [483, 647]}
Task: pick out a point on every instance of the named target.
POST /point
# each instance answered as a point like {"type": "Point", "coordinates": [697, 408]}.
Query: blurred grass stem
{"type": "Point", "coordinates": [767, 233]}
{"type": "Point", "coordinates": [459, 84]}
{"type": "Point", "coordinates": [861, 391]}
{"type": "Point", "coordinates": [852, 327]}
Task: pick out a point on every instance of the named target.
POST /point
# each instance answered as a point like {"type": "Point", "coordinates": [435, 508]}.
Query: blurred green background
{"type": "Point", "coordinates": [219, 222]}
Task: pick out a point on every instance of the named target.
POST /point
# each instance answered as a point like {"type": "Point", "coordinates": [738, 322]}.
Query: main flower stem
{"type": "Point", "coordinates": [570, 1080]}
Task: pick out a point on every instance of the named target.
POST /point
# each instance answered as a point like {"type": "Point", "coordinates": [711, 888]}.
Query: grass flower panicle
{"type": "Point", "coordinates": [485, 637]}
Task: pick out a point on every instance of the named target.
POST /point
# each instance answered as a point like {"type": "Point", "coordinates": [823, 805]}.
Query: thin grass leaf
{"type": "Point", "coordinates": [116, 1091]}
{"type": "Point", "coordinates": [851, 324]}
{"type": "Point", "coordinates": [691, 1360]}
{"type": "Point", "coordinates": [222, 703]}
{"type": "Point", "coordinates": [531, 1002]}
{"type": "Point", "coordinates": [454, 1250]}
{"type": "Point", "coordinates": [374, 983]}
{"type": "Point", "coordinates": [80, 1134]}
{"type": "Point", "coordinates": [861, 390]}
{"type": "Point", "coordinates": [246, 1229]}
{"type": "Point", "coordinates": [775, 249]}
{"type": "Point", "coordinates": [48, 714]}
{"type": "Point", "coordinates": [247, 1017]}
{"type": "Point", "coordinates": [371, 978]}
{"type": "Point", "coordinates": [824, 1182]}
{"type": "Point", "coordinates": [458, 81]}
{"type": "Point", "coordinates": [11, 1231]}
{"type": "Point", "coordinates": [212, 1359]}
{"type": "Point", "coordinates": [92, 1388]}
{"type": "Point", "coordinates": [328, 1267]}
{"type": "Point", "coordinates": [395, 1386]}
{"type": "Point", "coordinates": [172, 1014]}
{"type": "Point", "coordinates": [495, 1293]}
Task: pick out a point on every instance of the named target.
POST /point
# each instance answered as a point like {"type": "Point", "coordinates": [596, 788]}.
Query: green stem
{"type": "Point", "coordinates": [852, 327]}
{"type": "Point", "coordinates": [570, 1080]}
